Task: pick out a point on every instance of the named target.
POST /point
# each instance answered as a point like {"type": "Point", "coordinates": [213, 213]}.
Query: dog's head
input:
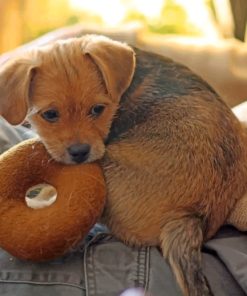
{"type": "Point", "coordinates": [69, 91]}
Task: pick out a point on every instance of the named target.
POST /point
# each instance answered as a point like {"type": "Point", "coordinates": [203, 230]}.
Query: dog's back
{"type": "Point", "coordinates": [175, 165]}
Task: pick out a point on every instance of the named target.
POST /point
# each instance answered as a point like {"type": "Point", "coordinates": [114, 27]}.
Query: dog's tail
{"type": "Point", "coordinates": [181, 241]}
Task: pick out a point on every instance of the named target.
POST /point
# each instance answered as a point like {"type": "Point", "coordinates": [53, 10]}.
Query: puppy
{"type": "Point", "coordinates": [173, 154]}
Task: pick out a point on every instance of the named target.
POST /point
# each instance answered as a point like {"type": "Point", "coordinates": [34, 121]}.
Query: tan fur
{"type": "Point", "coordinates": [15, 78]}
{"type": "Point", "coordinates": [176, 161]}
{"type": "Point", "coordinates": [106, 54]}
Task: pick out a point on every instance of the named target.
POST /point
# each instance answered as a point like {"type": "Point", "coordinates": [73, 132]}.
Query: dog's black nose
{"type": "Point", "coordinates": [79, 152]}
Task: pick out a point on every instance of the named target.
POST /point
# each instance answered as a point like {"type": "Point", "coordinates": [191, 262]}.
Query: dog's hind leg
{"type": "Point", "coordinates": [181, 240]}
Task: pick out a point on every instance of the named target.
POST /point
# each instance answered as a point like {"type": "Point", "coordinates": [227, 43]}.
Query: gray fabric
{"type": "Point", "coordinates": [61, 277]}
{"type": "Point", "coordinates": [230, 247]}
{"type": "Point", "coordinates": [106, 266]}
{"type": "Point", "coordinates": [220, 280]}
{"type": "Point", "coordinates": [111, 267]}
{"type": "Point", "coordinates": [10, 136]}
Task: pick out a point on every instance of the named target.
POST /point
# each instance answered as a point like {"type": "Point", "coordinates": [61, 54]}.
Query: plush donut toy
{"type": "Point", "coordinates": [46, 207]}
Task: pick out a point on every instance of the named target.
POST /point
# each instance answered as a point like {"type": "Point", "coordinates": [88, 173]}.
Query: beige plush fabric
{"type": "Point", "coordinates": [238, 216]}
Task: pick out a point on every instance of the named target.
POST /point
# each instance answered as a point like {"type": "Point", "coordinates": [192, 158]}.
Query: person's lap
{"type": "Point", "coordinates": [102, 265]}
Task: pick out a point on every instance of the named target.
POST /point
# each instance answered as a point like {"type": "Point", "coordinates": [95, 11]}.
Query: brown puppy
{"type": "Point", "coordinates": [173, 154]}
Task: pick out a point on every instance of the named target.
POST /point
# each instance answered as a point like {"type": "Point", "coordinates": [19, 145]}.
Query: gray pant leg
{"type": "Point", "coordinates": [106, 267]}
{"type": "Point", "coordinates": [10, 136]}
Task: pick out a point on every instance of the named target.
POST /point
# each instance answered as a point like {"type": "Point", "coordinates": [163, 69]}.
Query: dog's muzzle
{"type": "Point", "coordinates": [79, 152]}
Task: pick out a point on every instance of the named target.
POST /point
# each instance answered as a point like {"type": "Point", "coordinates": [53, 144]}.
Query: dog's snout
{"type": "Point", "coordinates": [79, 152]}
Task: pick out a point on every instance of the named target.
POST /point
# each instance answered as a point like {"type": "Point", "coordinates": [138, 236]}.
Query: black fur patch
{"type": "Point", "coordinates": [163, 81]}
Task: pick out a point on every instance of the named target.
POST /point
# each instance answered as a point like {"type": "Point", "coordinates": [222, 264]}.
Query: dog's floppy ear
{"type": "Point", "coordinates": [15, 77]}
{"type": "Point", "coordinates": [115, 60]}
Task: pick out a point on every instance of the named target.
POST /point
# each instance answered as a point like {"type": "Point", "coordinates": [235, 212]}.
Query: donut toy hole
{"type": "Point", "coordinates": [40, 196]}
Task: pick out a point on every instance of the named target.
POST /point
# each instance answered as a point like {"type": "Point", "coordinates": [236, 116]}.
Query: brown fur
{"type": "Point", "coordinates": [173, 153]}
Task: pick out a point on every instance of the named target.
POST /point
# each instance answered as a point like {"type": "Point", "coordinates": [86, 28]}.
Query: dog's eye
{"type": "Point", "coordinates": [97, 110]}
{"type": "Point", "coordinates": [51, 115]}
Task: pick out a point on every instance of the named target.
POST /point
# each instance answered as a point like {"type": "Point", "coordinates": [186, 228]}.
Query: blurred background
{"type": "Point", "coordinates": [24, 20]}
{"type": "Point", "coordinates": [208, 36]}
